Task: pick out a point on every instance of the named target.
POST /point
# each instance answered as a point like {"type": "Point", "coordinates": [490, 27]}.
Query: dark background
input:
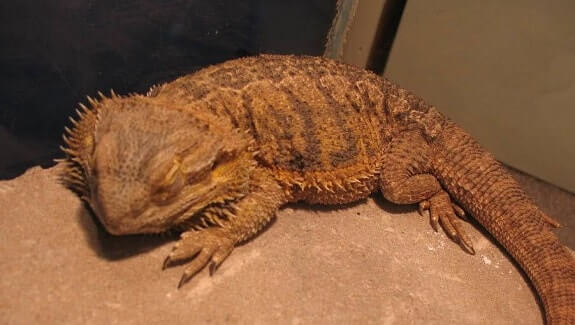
{"type": "Point", "coordinates": [54, 53]}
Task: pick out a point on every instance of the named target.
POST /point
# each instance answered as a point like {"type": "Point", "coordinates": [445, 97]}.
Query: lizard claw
{"type": "Point", "coordinates": [423, 206]}
{"type": "Point", "coordinates": [166, 263]}
{"type": "Point", "coordinates": [208, 246]}
{"type": "Point", "coordinates": [443, 211]}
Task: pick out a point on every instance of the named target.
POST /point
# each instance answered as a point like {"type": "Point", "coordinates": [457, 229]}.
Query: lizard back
{"type": "Point", "coordinates": [319, 124]}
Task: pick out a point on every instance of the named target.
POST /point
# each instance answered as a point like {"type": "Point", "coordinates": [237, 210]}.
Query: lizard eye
{"type": "Point", "coordinates": [199, 175]}
{"type": "Point", "coordinates": [169, 185]}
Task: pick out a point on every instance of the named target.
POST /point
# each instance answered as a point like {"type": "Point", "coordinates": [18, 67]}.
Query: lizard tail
{"type": "Point", "coordinates": [482, 186]}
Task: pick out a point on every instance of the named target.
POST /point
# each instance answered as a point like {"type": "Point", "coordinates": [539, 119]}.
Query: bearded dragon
{"type": "Point", "coordinates": [216, 153]}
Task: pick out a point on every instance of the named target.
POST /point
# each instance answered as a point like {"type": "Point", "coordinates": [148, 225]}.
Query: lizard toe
{"type": "Point", "coordinates": [202, 247]}
{"type": "Point", "coordinates": [459, 211]}
{"type": "Point", "coordinates": [425, 205]}
{"type": "Point", "coordinates": [195, 266]}
{"type": "Point", "coordinates": [443, 211]}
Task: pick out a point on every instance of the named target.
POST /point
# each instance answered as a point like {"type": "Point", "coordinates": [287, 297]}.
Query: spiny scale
{"type": "Point", "coordinates": [74, 174]}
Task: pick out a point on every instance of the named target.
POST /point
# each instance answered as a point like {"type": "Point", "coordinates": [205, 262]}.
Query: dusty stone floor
{"type": "Point", "coordinates": [372, 262]}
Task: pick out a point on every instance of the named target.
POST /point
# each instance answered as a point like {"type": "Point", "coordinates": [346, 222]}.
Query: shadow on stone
{"type": "Point", "coordinates": [113, 247]}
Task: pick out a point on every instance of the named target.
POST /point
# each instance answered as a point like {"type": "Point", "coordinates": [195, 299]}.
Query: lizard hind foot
{"type": "Point", "coordinates": [443, 211]}
{"type": "Point", "coordinates": [203, 247]}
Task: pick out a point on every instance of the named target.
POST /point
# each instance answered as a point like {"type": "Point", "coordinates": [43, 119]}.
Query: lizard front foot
{"type": "Point", "coordinates": [210, 245]}
{"type": "Point", "coordinates": [442, 210]}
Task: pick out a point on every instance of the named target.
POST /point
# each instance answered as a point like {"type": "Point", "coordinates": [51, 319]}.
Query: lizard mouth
{"type": "Point", "coordinates": [157, 219]}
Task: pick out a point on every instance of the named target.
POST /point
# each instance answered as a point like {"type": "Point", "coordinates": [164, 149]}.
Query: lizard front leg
{"type": "Point", "coordinates": [212, 245]}
{"type": "Point", "coordinates": [406, 179]}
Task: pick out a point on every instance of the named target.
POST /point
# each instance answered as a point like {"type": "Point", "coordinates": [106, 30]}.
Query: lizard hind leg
{"type": "Point", "coordinates": [406, 179]}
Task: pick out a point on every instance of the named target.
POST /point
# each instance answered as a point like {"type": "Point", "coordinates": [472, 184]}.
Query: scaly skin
{"type": "Point", "coordinates": [214, 154]}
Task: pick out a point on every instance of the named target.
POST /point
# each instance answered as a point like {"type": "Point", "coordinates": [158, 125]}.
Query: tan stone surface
{"type": "Point", "coordinates": [372, 262]}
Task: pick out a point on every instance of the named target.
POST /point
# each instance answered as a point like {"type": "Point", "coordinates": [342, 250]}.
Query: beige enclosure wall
{"type": "Point", "coordinates": [362, 31]}
{"type": "Point", "coordinates": [504, 70]}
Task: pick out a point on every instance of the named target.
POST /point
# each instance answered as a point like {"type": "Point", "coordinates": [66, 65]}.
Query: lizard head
{"type": "Point", "coordinates": [145, 166]}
